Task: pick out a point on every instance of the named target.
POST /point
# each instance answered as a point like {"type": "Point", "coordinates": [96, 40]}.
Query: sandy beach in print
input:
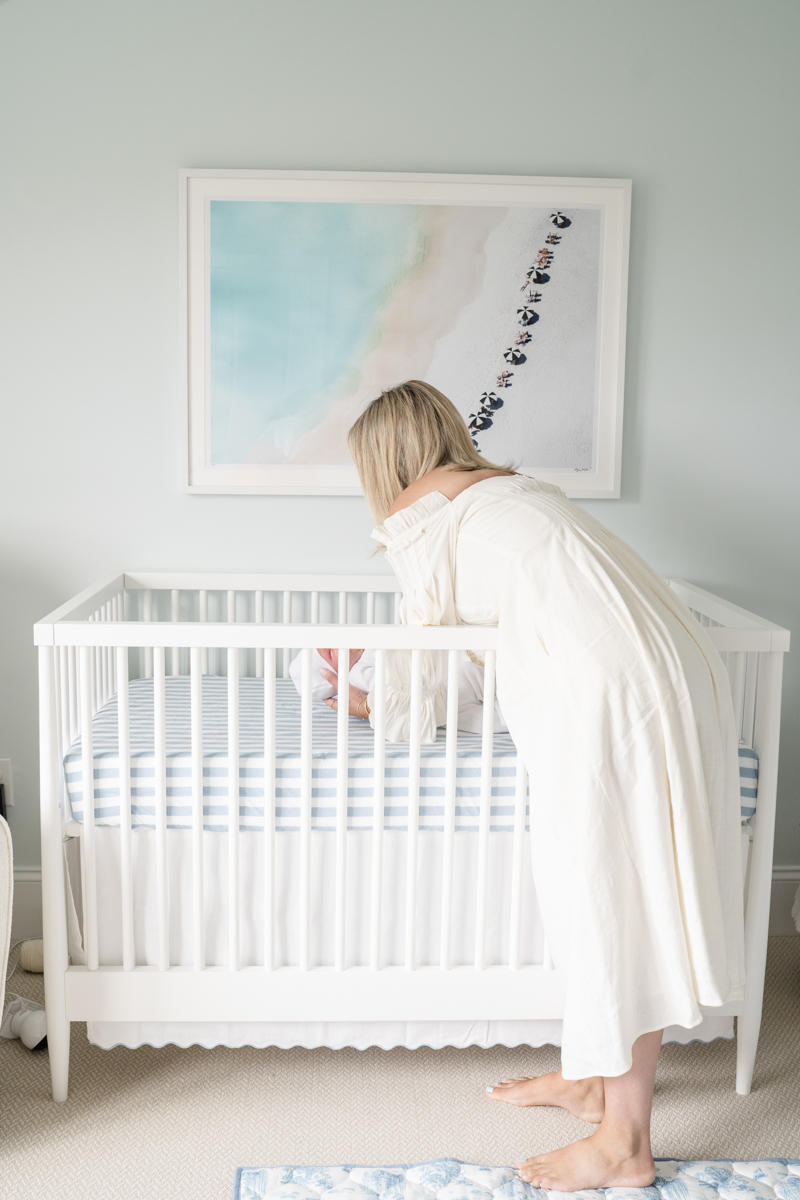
{"type": "Point", "coordinates": [447, 284]}
{"type": "Point", "coordinates": [422, 310]}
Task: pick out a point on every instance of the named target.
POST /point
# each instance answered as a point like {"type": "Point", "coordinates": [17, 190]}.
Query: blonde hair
{"type": "Point", "coordinates": [406, 432]}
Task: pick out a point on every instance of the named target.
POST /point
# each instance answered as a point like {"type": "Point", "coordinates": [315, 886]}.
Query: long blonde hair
{"type": "Point", "coordinates": [406, 432]}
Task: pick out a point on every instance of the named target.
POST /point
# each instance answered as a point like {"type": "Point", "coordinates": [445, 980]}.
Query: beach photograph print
{"type": "Point", "coordinates": [312, 308]}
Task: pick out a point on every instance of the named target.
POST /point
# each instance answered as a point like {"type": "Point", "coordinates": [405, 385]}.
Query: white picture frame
{"type": "Point", "coordinates": [199, 187]}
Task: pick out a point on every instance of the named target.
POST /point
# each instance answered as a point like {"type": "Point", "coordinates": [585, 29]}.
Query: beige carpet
{"type": "Point", "coordinates": [174, 1123]}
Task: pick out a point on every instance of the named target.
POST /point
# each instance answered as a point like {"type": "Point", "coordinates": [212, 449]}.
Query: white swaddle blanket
{"type": "Point", "coordinates": [362, 675]}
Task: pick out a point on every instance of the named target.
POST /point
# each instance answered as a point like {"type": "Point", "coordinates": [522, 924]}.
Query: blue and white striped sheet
{"type": "Point", "coordinates": [251, 766]}
{"type": "Point", "coordinates": [748, 780]}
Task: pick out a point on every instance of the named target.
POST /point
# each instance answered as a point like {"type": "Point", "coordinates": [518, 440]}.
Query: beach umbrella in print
{"type": "Point", "coordinates": [513, 355]}
{"type": "Point", "coordinates": [559, 220]}
{"type": "Point", "coordinates": [527, 315]}
{"type": "Point", "coordinates": [479, 422]}
{"type": "Point", "coordinates": [490, 402]}
{"type": "Point", "coordinates": [535, 275]}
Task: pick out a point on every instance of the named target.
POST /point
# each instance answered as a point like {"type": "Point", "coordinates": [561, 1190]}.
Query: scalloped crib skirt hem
{"type": "Point", "coordinates": [339, 1035]}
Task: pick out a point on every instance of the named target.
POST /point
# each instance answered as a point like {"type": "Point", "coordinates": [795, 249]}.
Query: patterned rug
{"type": "Point", "coordinates": [449, 1179]}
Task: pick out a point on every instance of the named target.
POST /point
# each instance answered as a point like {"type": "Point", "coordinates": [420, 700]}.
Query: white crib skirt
{"type": "Point", "coordinates": [334, 1035]}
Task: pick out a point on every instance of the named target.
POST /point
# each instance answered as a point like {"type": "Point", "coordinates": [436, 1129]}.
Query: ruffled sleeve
{"type": "Point", "coordinates": [420, 545]}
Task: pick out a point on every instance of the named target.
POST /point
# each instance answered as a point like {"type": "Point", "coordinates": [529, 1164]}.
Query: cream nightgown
{"type": "Point", "coordinates": [616, 696]}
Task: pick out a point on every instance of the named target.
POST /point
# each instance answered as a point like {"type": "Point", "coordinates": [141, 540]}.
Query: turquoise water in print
{"type": "Point", "coordinates": [296, 296]}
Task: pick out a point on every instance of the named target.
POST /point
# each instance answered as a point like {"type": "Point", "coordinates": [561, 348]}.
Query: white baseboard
{"type": "Point", "coordinates": [785, 882]}
{"type": "Point", "coordinates": [27, 916]}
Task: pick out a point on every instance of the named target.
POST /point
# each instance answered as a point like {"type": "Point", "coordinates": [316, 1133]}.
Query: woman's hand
{"type": "Point", "coordinates": [358, 697]}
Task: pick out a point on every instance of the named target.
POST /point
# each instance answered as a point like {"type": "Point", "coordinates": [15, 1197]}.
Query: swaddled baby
{"type": "Point", "coordinates": [362, 675]}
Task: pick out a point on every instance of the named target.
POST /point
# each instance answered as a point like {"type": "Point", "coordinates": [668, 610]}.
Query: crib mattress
{"type": "Point", "coordinates": [216, 778]}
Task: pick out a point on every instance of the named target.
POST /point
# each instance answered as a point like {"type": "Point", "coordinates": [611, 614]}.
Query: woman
{"type": "Point", "coordinates": [614, 692]}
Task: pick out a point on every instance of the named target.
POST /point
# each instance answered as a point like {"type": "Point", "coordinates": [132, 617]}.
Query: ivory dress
{"type": "Point", "coordinates": [617, 696]}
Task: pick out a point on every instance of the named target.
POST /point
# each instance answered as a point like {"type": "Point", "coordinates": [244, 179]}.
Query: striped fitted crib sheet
{"type": "Point", "coordinates": [251, 765]}
{"type": "Point", "coordinates": [287, 782]}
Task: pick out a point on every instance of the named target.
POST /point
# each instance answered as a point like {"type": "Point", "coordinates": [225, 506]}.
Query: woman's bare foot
{"type": "Point", "coordinates": [582, 1097]}
{"type": "Point", "coordinates": [600, 1161]}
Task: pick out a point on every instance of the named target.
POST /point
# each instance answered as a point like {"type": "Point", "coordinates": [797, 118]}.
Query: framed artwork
{"type": "Point", "coordinates": [305, 294]}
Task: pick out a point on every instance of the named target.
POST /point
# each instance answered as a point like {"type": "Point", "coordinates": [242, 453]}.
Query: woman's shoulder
{"type": "Point", "coordinates": [448, 482]}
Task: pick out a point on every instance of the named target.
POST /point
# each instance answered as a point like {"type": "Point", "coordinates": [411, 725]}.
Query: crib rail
{"type": "Point", "coordinates": [155, 625]}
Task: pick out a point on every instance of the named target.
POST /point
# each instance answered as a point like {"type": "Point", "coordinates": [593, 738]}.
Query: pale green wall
{"type": "Point", "coordinates": [102, 101]}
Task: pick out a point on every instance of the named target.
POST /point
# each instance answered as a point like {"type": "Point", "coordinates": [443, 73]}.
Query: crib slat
{"type": "Point", "coordinates": [58, 705]}
{"type": "Point", "coordinates": [147, 615]}
{"type": "Point", "coordinates": [231, 609]}
{"type": "Point", "coordinates": [450, 763]}
{"type": "Point", "coordinates": [196, 701]}
{"type": "Point", "coordinates": [95, 680]}
{"type": "Point", "coordinates": [259, 619]}
{"type": "Point", "coordinates": [160, 728]}
{"type": "Point", "coordinates": [342, 762]}
{"type": "Point", "coordinates": [398, 596]}
{"type": "Point", "coordinates": [104, 672]}
{"type": "Point", "coordinates": [305, 810]}
{"type": "Point", "coordinates": [487, 754]}
{"type": "Point", "coordinates": [175, 616]}
{"type": "Point", "coordinates": [370, 608]}
{"type": "Point", "coordinates": [203, 613]}
{"type": "Point", "coordinates": [342, 608]}
{"type": "Point", "coordinates": [73, 694]}
{"type": "Point", "coordinates": [412, 836]}
{"type": "Point", "coordinates": [517, 862]}
{"type": "Point", "coordinates": [315, 608]}
{"type": "Point", "coordinates": [88, 849]}
{"type": "Point", "coordinates": [125, 834]}
{"type": "Point", "coordinates": [750, 690]}
{"type": "Point", "coordinates": [287, 620]}
{"type": "Point", "coordinates": [269, 809]}
{"type": "Point", "coordinates": [113, 610]}
{"type": "Point", "coordinates": [736, 664]}
{"type": "Point", "coordinates": [378, 788]}
{"type": "Point", "coordinates": [62, 687]}
{"type": "Point", "coordinates": [233, 808]}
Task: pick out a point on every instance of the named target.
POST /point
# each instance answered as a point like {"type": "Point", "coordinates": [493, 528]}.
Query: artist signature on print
{"type": "Point", "coordinates": [517, 354]}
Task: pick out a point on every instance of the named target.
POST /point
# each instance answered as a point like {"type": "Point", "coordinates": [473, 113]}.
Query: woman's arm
{"type": "Point", "coordinates": [398, 695]}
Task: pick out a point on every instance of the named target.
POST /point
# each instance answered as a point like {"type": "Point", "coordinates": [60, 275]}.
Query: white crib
{"type": "Point", "coordinates": [154, 625]}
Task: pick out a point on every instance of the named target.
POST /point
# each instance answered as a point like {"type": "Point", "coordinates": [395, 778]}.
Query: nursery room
{"type": "Point", "coordinates": [400, 522]}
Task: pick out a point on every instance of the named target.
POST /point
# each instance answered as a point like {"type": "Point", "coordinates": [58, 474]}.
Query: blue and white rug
{"type": "Point", "coordinates": [449, 1179]}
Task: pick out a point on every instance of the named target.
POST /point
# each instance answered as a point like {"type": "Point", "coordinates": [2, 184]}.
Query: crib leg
{"type": "Point", "coordinates": [756, 926]}
{"type": "Point", "coordinates": [748, 1025]}
{"type": "Point", "coordinates": [746, 1044]}
{"type": "Point", "coordinates": [58, 1048]}
{"type": "Point", "coordinates": [54, 915]}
